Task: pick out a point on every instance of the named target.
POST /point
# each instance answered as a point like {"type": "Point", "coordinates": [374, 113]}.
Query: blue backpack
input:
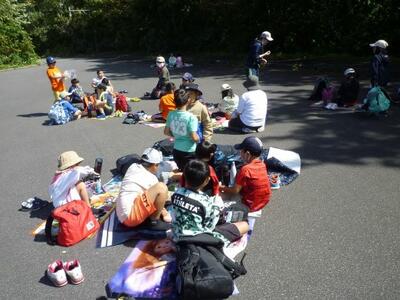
{"type": "Point", "coordinates": [377, 100]}
{"type": "Point", "coordinates": [57, 114]}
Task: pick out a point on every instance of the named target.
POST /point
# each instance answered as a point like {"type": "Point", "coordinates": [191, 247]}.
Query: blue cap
{"type": "Point", "coordinates": [252, 144]}
{"type": "Point", "coordinates": [50, 60]}
{"type": "Point", "coordinates": [188, 77]}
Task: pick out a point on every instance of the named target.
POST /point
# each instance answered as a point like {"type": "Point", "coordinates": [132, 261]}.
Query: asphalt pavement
{"type": "Point", "coordinates": [331, 234]}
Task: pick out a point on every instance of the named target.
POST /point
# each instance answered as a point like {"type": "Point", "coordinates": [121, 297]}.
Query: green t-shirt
{"type": "Point", "coordinates": [182, 124]}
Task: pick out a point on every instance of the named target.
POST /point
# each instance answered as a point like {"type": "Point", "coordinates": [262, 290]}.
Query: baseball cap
{"type": "Point", "coordinates": [188, 77]}
{"type": "Point", "coordinates": [152, 156]}
{"type": "Point", "coordinates": [225, 87]}
{"type": "Point", "coordinates": [349, 71]}
{"type": "Point", "coordinates": [252, 144]}
{"type": "Point", "coordinates": [380, 44]}
{"type": "Point", "coordinates": [64, 94]}
{"type": "Point", "coordinates": [266, 35]}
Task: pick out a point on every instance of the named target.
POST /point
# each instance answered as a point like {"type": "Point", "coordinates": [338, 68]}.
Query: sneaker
{"type": "Point", "coordinates": [155, 225]}
{"type": "Point", "coordinates": [102, 116]}
{"type": "Point", "coordinates": [56, 273]}
{"type": "Point", "coordinates": [261, 129]}
{"type": "Point", "coordinates": [248, 130]}
{"type": "Point", "coordinates": [73, 270]}
{"type": "Point", "coordinates": [275, 181]}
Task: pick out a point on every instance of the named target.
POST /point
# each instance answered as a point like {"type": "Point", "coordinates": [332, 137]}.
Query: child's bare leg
{"type": "Point", "coordinates": [242, 226]}
{"type": "Point", "coordinates": [81, 188]}
{"type": "Point", "coordinates": [158, 194]}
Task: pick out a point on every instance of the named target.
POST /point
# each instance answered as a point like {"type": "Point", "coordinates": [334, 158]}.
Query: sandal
{"type": "Point", "coordinates": [33, 204]}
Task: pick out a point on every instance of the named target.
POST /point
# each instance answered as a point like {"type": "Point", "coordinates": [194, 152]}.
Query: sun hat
{"type": "Point", "coordinates": [349, 71]}
{"type": "Point", "coordinates": [152, 156]}
{"type": "Point", "coordinates": [251, 143]}
{"type": "Point", "coordinates": [188, 77]}
{"type": "Point", "coordinates": [380, 44]}
{"type": "Point", "coordinates": [193, 87]}
{"type": "Point", "coordinates": [68, 159]}
{"type": "Point", "coordinates": [160, 59]}
{"type": "Point", "coordinates": [266, 35]}
{"type": "Point", "coordinates": [64, 94]}
{"type": "Point", "coordinates": [251, 83]}
{"type": "Point", "coordinates": [225, 87]}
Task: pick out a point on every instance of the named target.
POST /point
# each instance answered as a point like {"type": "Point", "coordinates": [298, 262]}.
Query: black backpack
{"type": "Point", "coordinates": [204, 271]}
{"type": "Point", "coordinates": [166, 146]}
{"type": "Point", "coordinates": [123, 163]}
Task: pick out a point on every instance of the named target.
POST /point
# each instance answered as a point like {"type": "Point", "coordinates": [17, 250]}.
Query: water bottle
{"type": "Point", "coordinates": [98, 188]}
{"type": "Point", "coordinates": [98, 163]}
{"type": "Point", "coordinates": [232, 174]}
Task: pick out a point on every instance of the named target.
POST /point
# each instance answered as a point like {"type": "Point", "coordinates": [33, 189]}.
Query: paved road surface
{"type": "Point", "coordinates": [333, 233]}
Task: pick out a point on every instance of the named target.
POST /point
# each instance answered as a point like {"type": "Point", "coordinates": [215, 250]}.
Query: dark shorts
{"type": "Point", "coordinates": [182, 158]}
{"type": "Point", "coordinates": [229, 231]}
{"type": "Point", "coordinates": [237, 125]}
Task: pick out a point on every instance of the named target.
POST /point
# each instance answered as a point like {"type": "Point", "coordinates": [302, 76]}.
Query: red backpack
{"type": "Point", "coordinates": [121, 103]}
{"type": "Point", "coordinates": [76, 222]}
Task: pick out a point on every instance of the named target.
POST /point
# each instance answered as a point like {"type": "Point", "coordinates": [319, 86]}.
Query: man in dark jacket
{"type": "Point", "coordinates": [256, 56]}
{"type": "Point", "coordinates": [379, 64]}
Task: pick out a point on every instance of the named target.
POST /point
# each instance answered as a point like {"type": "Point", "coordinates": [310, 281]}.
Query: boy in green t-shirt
{"type": "Point", "coordinates": [182, 126]}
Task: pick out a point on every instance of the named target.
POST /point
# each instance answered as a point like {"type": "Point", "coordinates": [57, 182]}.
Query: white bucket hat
{"type": "Point", "coordinates": [152, 156]}
{"type": "Point", "coordinates": [380, 44]}
{"type": "Point", "coordinates": [266, 35]}
{"type": "Point", "coordinates": [68, 159]}
{"type": "Point", "coordinates": [225, 87]}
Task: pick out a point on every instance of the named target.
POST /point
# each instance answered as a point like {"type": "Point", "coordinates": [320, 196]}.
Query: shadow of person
{"type": "Point", "coordinates": [33, 115]}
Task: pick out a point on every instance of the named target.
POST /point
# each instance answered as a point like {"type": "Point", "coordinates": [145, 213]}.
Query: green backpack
{"type": "Point", "coordinates": [377, 100]}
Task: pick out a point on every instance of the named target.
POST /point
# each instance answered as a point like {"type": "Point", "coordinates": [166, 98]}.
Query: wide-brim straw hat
{"type": "Point", "coordinates": [68, 159]}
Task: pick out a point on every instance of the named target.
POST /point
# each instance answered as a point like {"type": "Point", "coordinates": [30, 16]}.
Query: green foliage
{"type": "Point", "coordinates": [16, 47]}
{"type": "Point", "coordinates": [198, 26]}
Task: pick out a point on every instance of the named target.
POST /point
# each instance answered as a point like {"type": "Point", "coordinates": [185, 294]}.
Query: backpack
{"type": "Point", "coordinates": [166, 146]}
{"type": "Point", "coordinates": [123, 163]}
{"type": "Point", "coordinates": [121, 103]}
{"type": "Point", "coordinates": [57, 114]}
{"type": "Point", "coordinates": [204, 271]}
{"type": "Point", "coordinates": [377, 100]}
{"type": "Point", "coordinates": [76, 222]}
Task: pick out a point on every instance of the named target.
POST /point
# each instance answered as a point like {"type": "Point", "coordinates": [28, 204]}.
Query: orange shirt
{"type": "Point", "coordinates": [57, 84]}
{"type": "Point", "coordinates": [167, 104]}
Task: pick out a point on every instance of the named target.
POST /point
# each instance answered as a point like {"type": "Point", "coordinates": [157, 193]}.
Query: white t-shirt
{"type": "Point", "coordinates": [62, 187]}
{"type": "Point", "coordinates": [136, 180]}
{"type": "Point", "coordinates": [253, 108]}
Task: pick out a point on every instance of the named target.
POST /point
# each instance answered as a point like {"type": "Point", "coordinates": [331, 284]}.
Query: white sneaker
{"type": "Point", "coordinates": [56, 273]}
{"type": "Point", "coordinates": [74, 271]}
{"type": "Point", "coordinates": [248, 130]}
{"type": "Point", "coordinates": [261, 129]}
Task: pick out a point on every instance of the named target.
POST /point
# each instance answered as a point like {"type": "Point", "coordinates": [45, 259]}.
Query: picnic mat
{"type": "Point", "coordinates": [149, 272]}
{"type": "Point", "coordinates": [112, 232]}
{"type": "Point", "coordinates": [104, 203]}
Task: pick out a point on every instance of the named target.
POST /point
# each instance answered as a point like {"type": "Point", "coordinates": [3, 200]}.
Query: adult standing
{"type": "Point", "coordinates": [379, 64]}
{"type": "Point", "coordinates": [251, 112]}
{"type": "Point", "coordinates": [256, 55]}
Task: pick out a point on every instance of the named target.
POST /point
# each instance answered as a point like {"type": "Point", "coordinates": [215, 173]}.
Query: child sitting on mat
{"type": "Point", "coordinates": [166, 105]}
{"type": "Point", "coordinates": [205, 152]}
{"type": "Point", "coordinates": [252, 181]}
{"type": "Point", "coordinates": [194, 212]}
{"type": "Point", "coordinates": [67, 184]}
